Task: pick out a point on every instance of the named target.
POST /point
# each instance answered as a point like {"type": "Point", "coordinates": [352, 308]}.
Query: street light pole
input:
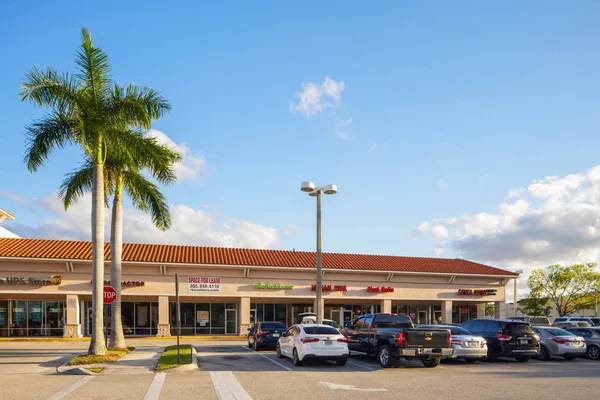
{"type": "Point", "coordinates": [320, 310]}
{"type": "Point", "coordinates": [317, 191]}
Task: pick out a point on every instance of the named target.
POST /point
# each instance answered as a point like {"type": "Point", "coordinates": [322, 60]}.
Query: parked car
{"type": "Point", "coordinates": [265, 334]}
{"type": "Point", "coordinates": [556, 342]}
{"type": "Point", "coordinates": [301, 316]}
{"type": "Point", "coordinates": [592, 339]}
{"type": "Point", "coordinates": [533, 321]}
{"type": "Point", "coordinates": [466, 346]}
{"type": "Point", "coordinates": [592, 321]}
{"type": "Point", "coordinates": [392, 336]}
{"type": "Point", "coordinates": [571, 324]}
{"type": "Point", "coordinates": [506, 338]}
{"type": "Point", "coordinates": [313, 320]}
{"type": "Point", "coordinates": [313, 342]}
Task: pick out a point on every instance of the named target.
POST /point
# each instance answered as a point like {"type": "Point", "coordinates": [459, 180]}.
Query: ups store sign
{"type": "Point", "coordinates": [15, 280]}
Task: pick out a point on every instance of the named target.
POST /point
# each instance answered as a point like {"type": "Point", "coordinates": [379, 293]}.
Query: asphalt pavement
{"type": "Point", "coordinates": [230, 370]}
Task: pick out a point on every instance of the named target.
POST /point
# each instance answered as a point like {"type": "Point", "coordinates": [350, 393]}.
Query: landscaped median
{"type": "Point", "coordinates": [92, 363]}
{"type": "Point", "coordinates": [187, 359]}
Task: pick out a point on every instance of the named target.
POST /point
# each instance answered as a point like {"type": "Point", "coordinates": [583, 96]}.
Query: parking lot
{"type": "Point", "coordinates": [230, 370]}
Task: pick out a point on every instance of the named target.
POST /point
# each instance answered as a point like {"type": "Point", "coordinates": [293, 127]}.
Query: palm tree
{"type": "Point", "coordinates": [123, 169]}
{"type": "Point", "coordinates": [90, 111]}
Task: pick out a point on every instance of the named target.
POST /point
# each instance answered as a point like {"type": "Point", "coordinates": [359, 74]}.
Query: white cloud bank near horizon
{"type": "Point", "coordinates": [189, 226]}
{"type": "Point", "coordinates": [554, 220]}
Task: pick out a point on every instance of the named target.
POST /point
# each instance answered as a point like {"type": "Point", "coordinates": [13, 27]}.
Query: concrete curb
{"type": "Point", "coordinates": [193, 366]}
{"type": "Point", "coordinates": [58, 339]}
{"type": "Point", "coordinates": [78, 369]}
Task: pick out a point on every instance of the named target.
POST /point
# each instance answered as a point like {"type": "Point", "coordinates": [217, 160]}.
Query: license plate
{"type": "Point", "coordinates": [276, 335]}
{"type": "Point", "coordinates": [327, 342]}
{"type": "Point", "coordinates": [471, 344]}
{"type": "Point", "coordinates": [523, 341]}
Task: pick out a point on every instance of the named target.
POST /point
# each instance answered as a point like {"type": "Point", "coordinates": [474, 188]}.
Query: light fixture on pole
{"type": "Point", "coordinates": [315, 191]}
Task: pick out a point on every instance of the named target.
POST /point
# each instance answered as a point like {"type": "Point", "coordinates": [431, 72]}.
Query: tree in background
{"type": "Point", "coordinates": [568, 288]}
{"type": "Point", "coordinates": [490, 310]}
{"type": "Point", "coordinates": [90, 111]}
{"type": "Point", "coordinates": [535, 306]}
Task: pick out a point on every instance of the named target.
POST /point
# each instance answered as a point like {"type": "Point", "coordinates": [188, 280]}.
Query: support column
{"type": "Point", "coordinates": [481, 310]}
{"type": "Point", "coordinates": [500, 308]}
{"type": "Point", "coordinates": [164, 326]}
{"type": "Point", "coordinates": [386, 306]}
{"type": "Point", "coordinates": [72, 327]}
{"type": "Point", "coordinates": [245, 322]}
{"type": "Point", "coordinates": [447, 312]}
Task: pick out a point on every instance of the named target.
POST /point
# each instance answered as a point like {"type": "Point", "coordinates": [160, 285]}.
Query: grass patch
{"type": "Point", "coordinates": [168, 359]}
{"type": "Point", "coordinates": [113, 355]}
{"type": "Point", "coordinates": [96, 370]}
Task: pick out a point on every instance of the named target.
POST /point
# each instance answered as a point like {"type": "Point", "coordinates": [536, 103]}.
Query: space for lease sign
{"type": "Point", "coordinates": [204, 284]}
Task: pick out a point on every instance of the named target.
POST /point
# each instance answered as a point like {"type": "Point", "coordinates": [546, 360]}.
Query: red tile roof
{"type": "Point", "coordinates": [167, 254]}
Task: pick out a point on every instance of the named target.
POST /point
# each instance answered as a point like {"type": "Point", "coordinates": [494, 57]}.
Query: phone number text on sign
{"type": "Point", "coordinates": [204, 284]}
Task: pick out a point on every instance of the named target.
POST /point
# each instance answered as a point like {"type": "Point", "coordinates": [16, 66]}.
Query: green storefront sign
{"type": "Point", "coordinates": [273, 286]}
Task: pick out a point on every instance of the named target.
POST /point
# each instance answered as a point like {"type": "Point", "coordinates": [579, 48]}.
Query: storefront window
{"type": "Point", "coordinates": [55, 320]}
{"type": "Point", "coordinates": [269, 312]}
{"type": "Point", "coordinates": [19, 321]}
{"type": "Point", "coordinates": [4, 321]}
{"type": "Point", "coordinates": [217, 319]}
{"type": "Point", "coordinates": [203, 318]}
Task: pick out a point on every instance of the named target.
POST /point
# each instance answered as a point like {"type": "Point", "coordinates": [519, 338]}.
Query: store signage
{"type": "Point", "coordinates": [127, 283]}
{"type": "Point", "coordinates": [273, 286]}
{"type": "Point", "coordinates": [204, 284]}
{"type": "Point", "coordinates": [477, 292]}
{"type": "Point", "coordinates": [202, 318]}
{"type": "Point", "coordinates": [15, 280]}
{"type": "Point", "coordinates": [2, 309]}
{"type": "Point", "coordinates": [382, 289]}
{"type": "Point", "coordinates": [330, 288]}
{"type": "Point", "coordinates": [54, 310]}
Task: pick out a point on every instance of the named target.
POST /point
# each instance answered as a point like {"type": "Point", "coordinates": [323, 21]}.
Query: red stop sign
{"type": "Point", "coordinates": [110, 294]}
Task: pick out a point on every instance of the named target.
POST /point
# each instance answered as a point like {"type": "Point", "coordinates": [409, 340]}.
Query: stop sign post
{"type": "Point", "coordinates": [110, 294]}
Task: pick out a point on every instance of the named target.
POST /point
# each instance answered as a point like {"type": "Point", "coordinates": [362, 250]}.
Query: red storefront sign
{"type": "Point", "coordinates": [477, 292]}
{"type": "Point", "coordinates": [382, 289]}
{"type": "Point", "coordinates": [330, 288]}
{"type": "Point", "coordinates": [110, 295]}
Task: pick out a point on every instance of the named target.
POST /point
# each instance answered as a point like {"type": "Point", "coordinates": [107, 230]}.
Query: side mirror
{"type": "Point", "coordinates": [284, 334]}
{"type": "Point", "coordinates": [249, 329]}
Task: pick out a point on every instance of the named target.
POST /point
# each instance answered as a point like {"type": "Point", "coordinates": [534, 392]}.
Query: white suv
{"type": "Point", "coordinates": [590, 320]}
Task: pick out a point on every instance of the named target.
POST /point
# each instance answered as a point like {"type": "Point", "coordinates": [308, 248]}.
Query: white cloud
{"type": "Point", "coordinates": [439, 251]}
{"type": "Point", "coordinates": [344, 137]}
{"type": "Point", "coordinates": [315, 98]}
{"type": "Point", "coordinates": [553, 220]}
{"type": "Point", "coordinates": [192, 166]}
{"type": "Point", "coordinates": [189, 226]}
{"type": "Point", "coordinates": [442, 184]}
{"type": "Point", "coordinates": [373, 147]}
{"type": "Point", "coordinates": [291, 229]}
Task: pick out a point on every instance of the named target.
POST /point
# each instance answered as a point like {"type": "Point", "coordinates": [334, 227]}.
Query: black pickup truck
{"type": "Point", "coordinates": [392, 336]}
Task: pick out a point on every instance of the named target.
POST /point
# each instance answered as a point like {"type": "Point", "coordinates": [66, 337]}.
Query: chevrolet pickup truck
{"type": "Point", "coordinates": [392, 336]}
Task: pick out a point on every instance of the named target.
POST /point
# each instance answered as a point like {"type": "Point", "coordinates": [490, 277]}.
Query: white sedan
{"type": "Point", "coordinates": [313, 342]}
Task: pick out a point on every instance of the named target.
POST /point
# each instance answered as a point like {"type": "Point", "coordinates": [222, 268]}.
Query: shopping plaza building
{"type": "Point", "coordinates": [45, 288]}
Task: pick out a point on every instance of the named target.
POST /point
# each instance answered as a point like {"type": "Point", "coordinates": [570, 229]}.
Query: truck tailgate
{"type": "Point", "coordinates": [427, 338]}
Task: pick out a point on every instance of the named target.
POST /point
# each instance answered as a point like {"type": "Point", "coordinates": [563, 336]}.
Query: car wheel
{"type": "Point", "coordinates": [522, 359]}
{"type": "Point", "coordinates": [593, 352]}
{"type": "Point", "coordinates": [543, 354]}
{"type": "Point", "coordinates": [470, 360]}
{"type": "Point", "coordinates": [341, 362]}
{"type": "Point", "coordinates": [297, 362]}
{"type": "Point", "coordinates": [490, 357]}
{"type": "Point", "coordinates": [432, 362]}
{"type": "Point", "coordinates": [249, 344]}
{"type": "Point", "coordinates": [278, 350]}
{"type": "Point", "coordinates": [569, 358]}
{"type": "Point", "coordinates": [386, 360]}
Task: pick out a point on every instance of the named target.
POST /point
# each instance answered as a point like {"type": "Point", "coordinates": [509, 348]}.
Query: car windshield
{"type": "Point", "coordinates": [519, 329]}
{"type": "Point", "coordinates": [320, 330]}
{"type": "Point", "coordinates": [332, 323]}
{"type": "Point", "coordinates": [272, 325]}
{"type": "Point", "coordinates": [558, 332]}
{"type": "Point", "coordinates": [392, 321]}
{"type": "Point", "coordinates": [596, 321]}
{"type": "Point", "coordinates": [539, 321]}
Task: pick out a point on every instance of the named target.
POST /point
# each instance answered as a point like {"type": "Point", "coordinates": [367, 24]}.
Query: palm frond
{"type": "Point", "coordinates": [48, 88]}
{"type": "Point", "coordinates": [76, 184]}
{"type": "Point", "coordinates": [146, 197]}
{"type": "Point", "coordinates": [137, 105]}
{"type": "Point", "coordinates": [93, 67]}
{"type": "Point", "coordinates": [44, 136]}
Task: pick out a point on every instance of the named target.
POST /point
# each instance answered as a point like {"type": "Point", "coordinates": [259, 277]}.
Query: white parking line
{"type": "Point", "coordinates": [227, 386]}
{"type": "Point", "coordinates": [362, 366]}
{"type": "Point", "coordinates": [262, 355]}
{"type": "Point", "coordinates": [155, 388]}
{"type": "Point", "coordinates": [70, 388]}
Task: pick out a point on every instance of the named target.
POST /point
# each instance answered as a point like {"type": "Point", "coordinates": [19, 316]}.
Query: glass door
{"type": "Point", "coordinates": [336, 315]}
{"type": "Point", "coordinates": [231, 322]}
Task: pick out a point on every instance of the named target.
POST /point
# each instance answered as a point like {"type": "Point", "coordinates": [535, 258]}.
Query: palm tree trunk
{"type": "Point", "coordinates": [117, 339]}
{"type": "Point", "coordinates": [97, 345]}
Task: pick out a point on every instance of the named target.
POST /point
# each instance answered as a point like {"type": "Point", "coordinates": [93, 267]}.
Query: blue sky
{"type": "Point", "coordinates": [445, 108]}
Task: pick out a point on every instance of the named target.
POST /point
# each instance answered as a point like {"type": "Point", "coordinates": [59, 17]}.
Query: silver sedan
{"type": "Point", "coordinates": [556, 342]}
{"type": "Point", "coordinates": [466, 346]}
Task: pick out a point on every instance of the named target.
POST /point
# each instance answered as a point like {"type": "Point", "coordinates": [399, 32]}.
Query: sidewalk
{"type": "Point", "coordinates": [87, 338]}
{"type": "Point", "coordinates": [140, 361]}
